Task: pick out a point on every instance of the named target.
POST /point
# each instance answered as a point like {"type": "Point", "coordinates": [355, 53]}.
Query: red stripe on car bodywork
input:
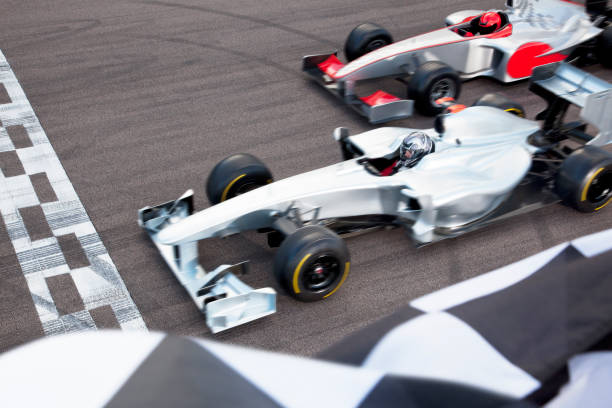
{"type": "Point", "coordinates": [572, 2]}
{"type": "Point", "coordinates": [528, 56]}
{"type": "Point", "coordinates": [505, 32]}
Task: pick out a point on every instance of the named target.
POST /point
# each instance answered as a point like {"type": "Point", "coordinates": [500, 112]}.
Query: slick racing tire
{"type": "Point", "coordinates": [365, 38]}
{"type": "Point", "coordinates": [312, 263]}
{"type": "Point", "coordinates": [432, 81]}
{"type": "Point", "coordinates": [501, 102]}
{"type": "Point", "coordinates": [596, 7]}
{"type": "Point", "coordinates": [584, 180]}
{"type": "Point", "coordinates": [236, 175]}
{"type": "Point", "coordinates": [604, 47]}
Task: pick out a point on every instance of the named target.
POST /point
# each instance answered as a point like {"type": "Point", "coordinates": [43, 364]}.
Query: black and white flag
{"type": "Point", "coordinates": [496, 340]}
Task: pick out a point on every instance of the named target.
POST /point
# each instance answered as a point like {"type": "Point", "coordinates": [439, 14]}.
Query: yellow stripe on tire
{"type": "Point", "coordinates": [296, 274]}
{"type": "Point", "coordinates": [516, 111]}
{"type": "Point", "coordinates": [346, 271]}
{"type": "Point", "coordinates": [606, 203]}
{"type": "Point", "coordinates": [229, 186]}
{"type": "Point", "coordinates": [588, 184]}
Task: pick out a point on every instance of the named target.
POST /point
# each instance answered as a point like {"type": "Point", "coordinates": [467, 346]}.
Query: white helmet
{"type": "Point", "coordinates": [414, 147]}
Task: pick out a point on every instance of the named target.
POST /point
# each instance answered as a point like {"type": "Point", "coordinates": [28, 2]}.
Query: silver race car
{"type": "Point", "coordinates": [505, 45]}
{"type": "Point", "coordinates": [477, 165]}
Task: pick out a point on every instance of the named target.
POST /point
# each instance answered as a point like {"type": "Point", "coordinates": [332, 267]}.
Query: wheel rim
{"type": "Point", "coordinates": [321, 273]}
{"type": "Point", "coordinates": [443, 88]}
{"type": "Point", "coordinates": [246, 187]}
{"type": "Point", "coordinates": [600, 188]}
{"type": "Point", "coordinates": [375, 44]}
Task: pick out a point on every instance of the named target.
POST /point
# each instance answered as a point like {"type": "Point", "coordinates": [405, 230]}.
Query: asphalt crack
{"type": "Point", "coordinates": [243, 17]}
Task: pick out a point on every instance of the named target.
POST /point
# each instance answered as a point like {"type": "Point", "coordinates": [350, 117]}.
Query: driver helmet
{"type": "Point", "coordinates": [489, 22]}
{"type": "Point", "coordinates": [414, 147]}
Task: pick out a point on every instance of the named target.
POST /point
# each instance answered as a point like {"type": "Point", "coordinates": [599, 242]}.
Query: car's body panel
{"type": "Point", "coordinates": [470, 170]}
{"type": "Point", "coordinates": [483, 125]}
{"type": "Point", "coordinates": [327, 188]}
{"type": "Point", "coordinates": [389, 60]}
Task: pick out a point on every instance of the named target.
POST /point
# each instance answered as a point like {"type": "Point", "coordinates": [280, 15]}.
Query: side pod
{"type": "Point", "coordinates": [224, 299]}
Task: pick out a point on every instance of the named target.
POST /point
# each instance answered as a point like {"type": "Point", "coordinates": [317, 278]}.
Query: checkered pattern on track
{"type": "Point", "coordinates": [99, 284]}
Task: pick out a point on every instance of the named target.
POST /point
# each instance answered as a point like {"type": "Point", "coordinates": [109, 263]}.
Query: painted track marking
{"type": "Point", "coordinates": [99, 284]}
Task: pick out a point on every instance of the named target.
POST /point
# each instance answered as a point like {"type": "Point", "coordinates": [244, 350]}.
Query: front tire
{"type": "Point", "coordinates": [584, 180]}
{"type": "Point", "coordinates": [236, 175]}
{"type": "Point", "coordinates": [501, 102]}
{"type": "Point", "coordinates": [312, 263]}
{"type": "Point", "coordinates": [365, 38]}
{"type": "Point", "coordinates": [432, 81]}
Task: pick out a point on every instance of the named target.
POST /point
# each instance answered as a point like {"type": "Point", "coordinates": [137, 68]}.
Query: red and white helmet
{"type": "Point", "coordinates": [490, 21]}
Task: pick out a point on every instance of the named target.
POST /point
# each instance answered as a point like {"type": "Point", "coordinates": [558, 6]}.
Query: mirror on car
{"type": "Point", "coordinates": [340, 133]}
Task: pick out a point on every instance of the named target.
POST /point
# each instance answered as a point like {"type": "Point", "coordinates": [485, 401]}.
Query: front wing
{"type": "Point", "coordinates": [224, 299]}
{"type": "Point", "coordinates": [378, 107]}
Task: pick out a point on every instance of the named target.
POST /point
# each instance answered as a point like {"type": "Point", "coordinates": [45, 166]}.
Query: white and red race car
{"type": "Point", "coordinates": [505, 45]}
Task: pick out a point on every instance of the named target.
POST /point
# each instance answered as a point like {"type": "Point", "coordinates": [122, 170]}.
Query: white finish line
{"type": "Point", "coordinates": [99, 284]}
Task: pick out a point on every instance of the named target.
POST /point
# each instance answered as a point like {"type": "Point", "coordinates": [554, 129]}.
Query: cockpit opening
{"type": "Point", "coordinates": [413, 148]}
{"type": "Point", "coordinates": [487, 23]}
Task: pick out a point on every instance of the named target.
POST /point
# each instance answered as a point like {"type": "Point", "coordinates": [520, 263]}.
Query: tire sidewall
{"type": "Point", "coordinates": [232, 174]}
{"type": "Point", "coordinates": [604, 47]}
{"type": "Point", "coordinates": [362, 35]}
{"type": "Point", "coordinates": [299, 251]}
{"type": "Point", "coordinates": [577, 174]}
{"type": "Point", "coordinates": [431, 109]}
{"type": "Point", "coordinates": [499, 101]}
{"type": "Point", "coordinates": [588, 206]}
{"type": "Point", "coordinates": [422, 84]}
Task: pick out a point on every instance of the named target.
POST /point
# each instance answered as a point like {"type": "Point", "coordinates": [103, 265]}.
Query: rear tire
{"type": "Point", "coordinates": [365, 38]}
{"type": "Point", "coordinates": [604, 47]}
{"type": "Point", "coordinates": [432, 81]}
{"type": "Point", "coordinates": [596, 7]}
{"type": "Point", "coordinates": [236, 175]}
{"type": "Point", "coordinates": [499, 101]}
{"type": "Point", "coordinates": [584, 180]}
{"type": "Point", "coordinates": [312, 263]}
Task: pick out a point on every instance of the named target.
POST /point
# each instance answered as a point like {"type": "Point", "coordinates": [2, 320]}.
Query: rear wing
{"type": "Point", "coordinates": [561, 84]}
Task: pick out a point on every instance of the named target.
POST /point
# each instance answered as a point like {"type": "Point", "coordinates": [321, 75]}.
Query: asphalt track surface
{"type": "Point", "coordinates": [141, 98]}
